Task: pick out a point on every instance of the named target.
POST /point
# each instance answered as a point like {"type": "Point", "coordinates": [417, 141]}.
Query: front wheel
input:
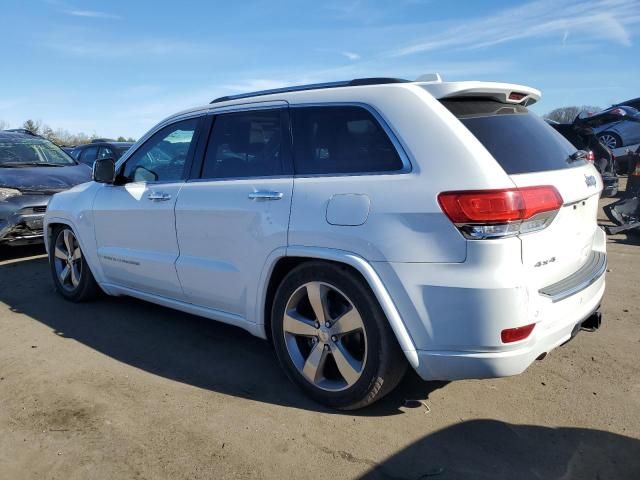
{"type": "Point", "coordinates": [332, 338]}
{"type": "Point", "coordinates": [69, 269]}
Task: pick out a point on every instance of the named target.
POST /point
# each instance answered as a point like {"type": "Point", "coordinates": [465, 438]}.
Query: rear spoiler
{"type": "Point", "coordinates": [502, 92]}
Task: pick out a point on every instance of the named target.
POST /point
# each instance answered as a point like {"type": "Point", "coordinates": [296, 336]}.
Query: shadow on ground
{"type": "Point", "coordinates": [172, 344]}
{"type": "Point", "coordinates": [489, 449]}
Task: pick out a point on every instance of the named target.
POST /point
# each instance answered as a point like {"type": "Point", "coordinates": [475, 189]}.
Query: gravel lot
{"type": "Point", "coordinates": [123, 389]}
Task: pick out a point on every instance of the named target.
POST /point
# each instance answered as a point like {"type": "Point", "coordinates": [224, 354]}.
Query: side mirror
{"type": "Point", "coordinates": [104, 170]}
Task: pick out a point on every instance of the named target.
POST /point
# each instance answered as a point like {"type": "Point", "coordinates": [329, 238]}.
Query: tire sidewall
{"type": "Point", "coordinates": [372, 317]}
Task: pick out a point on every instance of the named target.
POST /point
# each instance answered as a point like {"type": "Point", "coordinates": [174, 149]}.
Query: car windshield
{"type": "Point", "coordinates": [32, 152]}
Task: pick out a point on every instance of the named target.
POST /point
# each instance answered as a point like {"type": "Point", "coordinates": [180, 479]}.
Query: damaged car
{"type": "Point", "coordinates": [32, 169]}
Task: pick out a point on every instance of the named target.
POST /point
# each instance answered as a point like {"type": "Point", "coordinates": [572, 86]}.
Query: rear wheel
{"type": "Point", "coordinates": [610, 140]}
{"type": "Point", "coordinates": [332, 338]}
{"type": "Point", "coordinates": [69, 269]}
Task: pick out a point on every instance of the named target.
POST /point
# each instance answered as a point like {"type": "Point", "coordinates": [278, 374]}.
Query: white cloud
{"type": "Point", "coordinates": [92, 14]}
{"type": "Point", "coordinates": [351, 55]}
{"type": "Point", "coordinates": [609, 20]}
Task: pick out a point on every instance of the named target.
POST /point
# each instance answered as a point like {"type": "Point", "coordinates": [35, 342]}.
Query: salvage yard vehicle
{"type": "Point", "coordinates": [100, 148]}
{"type": "Point", "coordinates": [584, 139]}
{"type": "Point", "coordinates": [361, 226]}
{"type": "Point", "coordinates": [615, 127]}
{"type": "Point", "coordinates": [31, 170]}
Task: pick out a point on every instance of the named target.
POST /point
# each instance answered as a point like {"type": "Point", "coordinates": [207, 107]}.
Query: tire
{"type": "Point", "coordinates": [77, 284]}
{"type": "Point", "coordinates": [610, 140]}
{"type": "Point", "coordinates": [357, 358]}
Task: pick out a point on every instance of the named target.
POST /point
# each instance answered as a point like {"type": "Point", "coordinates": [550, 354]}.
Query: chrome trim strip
{"type": "Point", "coordinates": [587, 275]}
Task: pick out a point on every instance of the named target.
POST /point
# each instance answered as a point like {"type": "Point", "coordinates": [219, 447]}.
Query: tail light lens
{"type": "Point", "coordinates": [590, 156]}
{"type": "Point", "coordinates": [484, 214]}
{"type": "Point", "coordinates": [510, 335]}
{"type": "Point", "coordinates": [636, 171]}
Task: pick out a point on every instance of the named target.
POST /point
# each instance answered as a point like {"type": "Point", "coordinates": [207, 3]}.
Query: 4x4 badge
{"type": "Point", "coordinates": [590, 180]}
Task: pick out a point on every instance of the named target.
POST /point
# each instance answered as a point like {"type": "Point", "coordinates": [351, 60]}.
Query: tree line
{"type": "Point", "coordinates": [59, 136]}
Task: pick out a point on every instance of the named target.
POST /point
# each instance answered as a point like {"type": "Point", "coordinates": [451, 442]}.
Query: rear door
{"type": "Point", "coordinates": [533, 154]}
{"type": "Point", "coordinates": [235, 211]}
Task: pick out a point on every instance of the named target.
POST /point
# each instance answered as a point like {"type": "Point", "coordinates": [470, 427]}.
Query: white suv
{"type": "Point", "coordinates": [360, 226]}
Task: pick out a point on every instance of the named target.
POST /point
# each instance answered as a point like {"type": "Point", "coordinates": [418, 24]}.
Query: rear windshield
{"type": "Point", "coordinates": [520, 141]}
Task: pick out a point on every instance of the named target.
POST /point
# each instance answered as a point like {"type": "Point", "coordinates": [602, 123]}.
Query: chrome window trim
{"type": "Point", "coordinates": [407, 166]}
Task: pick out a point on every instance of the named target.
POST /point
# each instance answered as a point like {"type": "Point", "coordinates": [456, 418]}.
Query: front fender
{"type": "Point", "coordinates": [74, 208]}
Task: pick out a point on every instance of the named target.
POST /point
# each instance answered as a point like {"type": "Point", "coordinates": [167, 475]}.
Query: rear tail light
{"type": "Point", "coordinates": [636, 171]}
{"type": "Point", "coordinates": [590, 156]}
{"type": "Point", "coordinates": [511, 335]}
{"type": "Point", "coordinates": [483, 214]}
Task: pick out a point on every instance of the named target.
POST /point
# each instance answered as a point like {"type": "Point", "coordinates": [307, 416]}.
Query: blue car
{"type": "Point", "coordinates": [615, 127]}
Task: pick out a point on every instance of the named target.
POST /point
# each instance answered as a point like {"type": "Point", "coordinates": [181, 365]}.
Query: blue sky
{"type": "Point", "coordinates": [118, 67]}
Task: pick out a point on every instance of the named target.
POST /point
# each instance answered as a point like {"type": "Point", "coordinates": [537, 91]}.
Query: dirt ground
{"type": "Point", "coordinates": [123, 389]}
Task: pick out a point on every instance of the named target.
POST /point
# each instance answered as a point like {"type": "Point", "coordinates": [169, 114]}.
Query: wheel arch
{"type": "Point", "coordinates": [281, 265]}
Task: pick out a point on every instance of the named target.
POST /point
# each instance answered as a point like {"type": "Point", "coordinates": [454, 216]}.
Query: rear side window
{"type": "Point", "coordinates": [247, 144]}
{"type": "Point", "coordinates": [341, 139]}
{"type": "Point", "coordinates": [520, 141]}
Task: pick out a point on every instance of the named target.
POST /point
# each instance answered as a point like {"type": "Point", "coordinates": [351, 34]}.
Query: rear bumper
{"type": "Point", "coordinates": [455, 313]}
{"type": "Point", "coordinates": [547, 335]}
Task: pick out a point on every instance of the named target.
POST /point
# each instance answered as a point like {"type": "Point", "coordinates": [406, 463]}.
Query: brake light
{"type": "Point", "coordinates": [517, 96]}
{"type": "Point", "coordinates": [510, 335]}
{"type": "Point", "coordinates": [590, 156]}
{"type": "Point", "coordinates": [499, 213]}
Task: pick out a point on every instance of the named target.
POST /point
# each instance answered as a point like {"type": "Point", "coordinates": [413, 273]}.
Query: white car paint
{"type": "Point", "coordinates": [210, 249]}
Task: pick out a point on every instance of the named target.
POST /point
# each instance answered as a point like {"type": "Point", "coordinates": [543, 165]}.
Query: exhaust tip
{"type": "Point", "coordinates": [542, 356]}
{"type": "Point", "coordinates": [593, 322]}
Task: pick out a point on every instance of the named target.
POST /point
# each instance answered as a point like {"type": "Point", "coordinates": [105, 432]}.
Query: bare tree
{"type": "Point", "coordinates": [4, 125]}
{"type": "Point", "coordinates": [569, 114]}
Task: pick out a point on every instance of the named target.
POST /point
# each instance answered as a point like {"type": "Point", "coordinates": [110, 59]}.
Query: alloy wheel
{"type": "Point", "coordinates": [610, 141]}
{"type": "Point", "coordinates": [68, 260]}
{"type": "Point", "coordinates": [325, 336]}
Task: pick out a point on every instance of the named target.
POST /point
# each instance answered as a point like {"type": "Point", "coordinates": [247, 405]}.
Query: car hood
{"type": "Point", "coordinates": [44, 179]}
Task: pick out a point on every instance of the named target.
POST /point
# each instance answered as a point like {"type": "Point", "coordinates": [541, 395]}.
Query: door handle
{"type": "Point", "coordinates": [264, 195]}
{"type": "Point", "coordinates": [159, 196]}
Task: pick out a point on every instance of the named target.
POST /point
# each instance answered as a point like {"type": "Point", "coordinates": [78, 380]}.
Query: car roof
{"type": "Point", "coordinates": [97, 144]}
{"type": "Point", "coordinates": [364, 87]}
{"type": "Point", "coordinates": [5, 135]}
{"type": "Point", "coordinates": [627, 102]}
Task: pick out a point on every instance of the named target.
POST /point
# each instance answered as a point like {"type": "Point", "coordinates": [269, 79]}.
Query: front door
{"type": "Point", "coordinates": [135, 219]}
{"type": "Point", "coordinates": [237, 212]}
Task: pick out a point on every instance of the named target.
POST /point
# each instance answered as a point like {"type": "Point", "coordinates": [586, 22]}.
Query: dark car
{"type": "Point", "coordinates": [32, 169]}
{"type": "Point", "coordinates": [100, 148]}
{"type": "Point", "coordinates": [583, 138]}
{"type": "Point", "coordinates": [634, 102]}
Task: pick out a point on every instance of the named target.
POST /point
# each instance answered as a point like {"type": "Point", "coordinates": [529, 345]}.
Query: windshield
{"type": "Point", "coordinates": [32, 152]}
{"type": "Point", "coordinates": [520, 141]}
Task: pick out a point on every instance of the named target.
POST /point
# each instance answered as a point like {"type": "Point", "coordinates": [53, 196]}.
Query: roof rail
{"type": "Point", "coordinates": [314, 86]}
{"type": "Point", "coordinates": [24, 131]}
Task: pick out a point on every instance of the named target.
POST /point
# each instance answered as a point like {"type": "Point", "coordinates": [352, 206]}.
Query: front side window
{"type": "Point", "coordinates": [163, 157]}
{"type": "Point", "coordinates": [246, 144]}
{"type": "Point", "coordinates": [339, 140]}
